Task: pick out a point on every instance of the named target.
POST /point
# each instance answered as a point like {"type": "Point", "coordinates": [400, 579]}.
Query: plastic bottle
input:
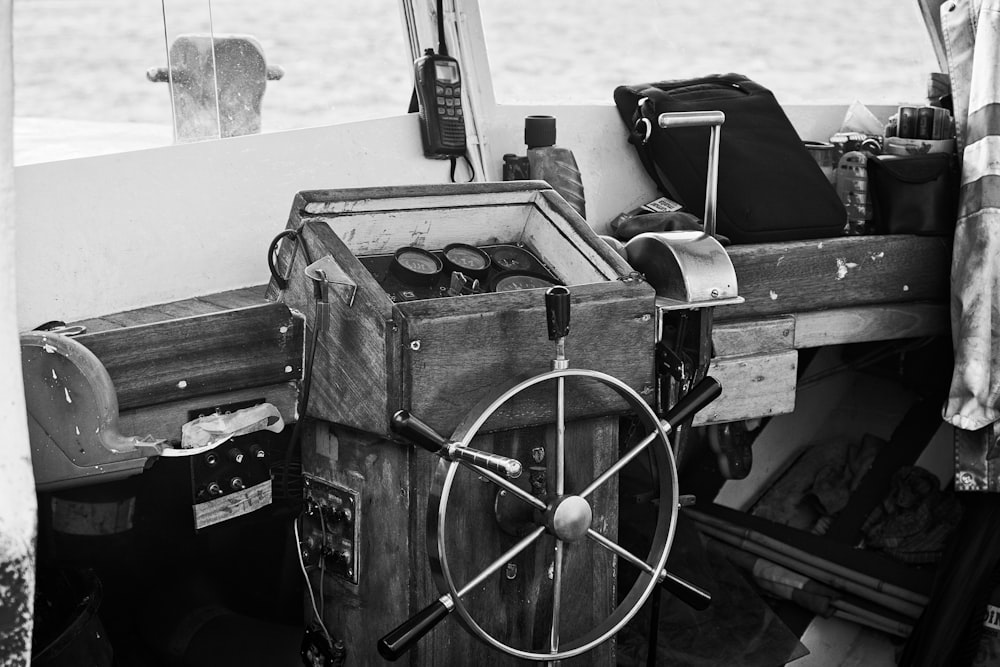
{"type": "Point", "coordinates": [852, 188]}
{"type": "Point", "coordinates": [551, 163]}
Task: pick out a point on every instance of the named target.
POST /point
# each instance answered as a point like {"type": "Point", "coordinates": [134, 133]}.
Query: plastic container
{"type": "Point", "coordinates": [550, 163]}
{"type": "Point", "coordinates": [852, 188]}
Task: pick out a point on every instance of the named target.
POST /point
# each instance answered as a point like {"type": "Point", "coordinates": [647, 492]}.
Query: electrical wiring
{"type": "Point", "coordinates": [302, 567]}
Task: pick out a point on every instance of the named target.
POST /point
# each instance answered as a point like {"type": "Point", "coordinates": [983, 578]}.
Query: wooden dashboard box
{"type": "Point", "coordinates": [438, 357]}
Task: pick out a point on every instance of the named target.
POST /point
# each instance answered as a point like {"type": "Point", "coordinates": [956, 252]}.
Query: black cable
{"type": "Point", "coordinates": [280, 280]}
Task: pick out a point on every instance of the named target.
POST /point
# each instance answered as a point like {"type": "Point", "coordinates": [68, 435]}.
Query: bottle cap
{"type": "Point", "coordinates": [539, 131]}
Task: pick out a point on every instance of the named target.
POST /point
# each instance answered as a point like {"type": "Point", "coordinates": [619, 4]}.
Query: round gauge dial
{"type": "Point", "coordinates": [512, 258]}
{"type": "Point", "coordinates": [416, 266]}
{"type": "Point", "coordinates": [468, 259]}
{"type": "Point", "coordinates": [516, 280]}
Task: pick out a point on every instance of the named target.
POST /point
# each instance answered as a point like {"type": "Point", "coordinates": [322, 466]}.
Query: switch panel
{"type": "Point", "coordinates": [331, 528]}
{"type": "Point", "coordinates": [232, 479]}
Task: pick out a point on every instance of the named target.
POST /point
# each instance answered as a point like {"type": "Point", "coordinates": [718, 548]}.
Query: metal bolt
{"type": "Point", "coordinates": [511, 571]}
{"type": "Point", "coordinates": [646, 317]}
{"type": "Point", "coordinates": [414, 345]}
{"type": "Point", "coordinates": [537, 454]}
{"type": "Point", "coordinates": [715, 293]}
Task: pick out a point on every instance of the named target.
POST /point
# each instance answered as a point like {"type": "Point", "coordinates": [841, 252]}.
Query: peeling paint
{"type": "Point", "coordinates": [877, 255]}
{"type": "Point", "coordinates": [773, 295]}
{"type": "Point", "coordinates": [843, 266]}
{"type": "Point", "coordinates": [906, 288]}
{"type": "Point", "coordinates": [288, 369]}
{"type": "Point", "coordinates": [49, 348]}
{"type": "Point", "coordinates": [283, 330]}
{"type": "Point", "coordinates": [182, 384]}
{"type": "Point", "coordinates": [780, 260]}
{"type": "Point", "coordinates": [69, 399]}
{"type": "Point", "coordinates": [54, 376]}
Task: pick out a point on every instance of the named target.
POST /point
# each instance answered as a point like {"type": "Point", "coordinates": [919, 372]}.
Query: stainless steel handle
{"type": "Point", "coordinates": [713, 120]}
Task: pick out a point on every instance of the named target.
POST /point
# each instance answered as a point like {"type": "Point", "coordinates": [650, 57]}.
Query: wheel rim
{"type": "Point", "coordinates": [649, 567]}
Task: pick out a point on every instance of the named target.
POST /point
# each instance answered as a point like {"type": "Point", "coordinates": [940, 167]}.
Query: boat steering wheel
{"type": "Point", "coordinates": [566, 515]}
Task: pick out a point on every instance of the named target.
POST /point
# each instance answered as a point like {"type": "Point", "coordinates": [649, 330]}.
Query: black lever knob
{"type": "Point", "coordinates": [402, 639]}
{"type": "Point", "coordinates": [557, 311]}
{"type": "Point", "coordinates": [406, 425]}
{"type": "Point", "coordinates": [701, 395]}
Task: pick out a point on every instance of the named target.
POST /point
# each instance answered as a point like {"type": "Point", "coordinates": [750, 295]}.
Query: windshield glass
{"type": "Point", "coordinates": [821, 51]}
{"type": "Point", "coordinates": [83, 69]}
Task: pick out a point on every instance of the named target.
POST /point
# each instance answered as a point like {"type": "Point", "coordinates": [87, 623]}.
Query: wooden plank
{"type": "Point", "coordinates": [381, 232]}
{"type": "Point", "coordinates": [355, 369]}
{"type": "Point", "coordinates": [165, 420]}
{"type": "Point", "coordinates": [237, 298]}
{"type": "Point", "coordinates": [398, 198]}
{"type": "Point", "coordinates": [459, 350]}
{"type": "Point", "coordinates": [786, 278]}
{"type": "Point", "coordinates": [378, 470]}
{"type": "Point", "coordinates": [871, 323]}
{"type": "Point", "coordinates": [760, 385]}
{"type": "Point", "coordinates": [753, 336]}
{"type": "Point", "coordinates": [563, 241]}
{"type": "Point", "coordinates": [196, 356]}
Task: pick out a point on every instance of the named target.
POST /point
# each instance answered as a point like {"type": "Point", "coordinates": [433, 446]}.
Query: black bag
{"type": "Point", "coordinates": [914, 194]}
{"type": "Point", "coordinates": [770, 188]}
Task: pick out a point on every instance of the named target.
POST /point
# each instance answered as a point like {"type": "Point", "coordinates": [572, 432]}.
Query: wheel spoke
{"type": "Point", "coordinates": [502, 560]}
{"type": "Point", "coordinates": [621, 552]}
{"type": "Point", "coordinates": [619, 464]}
{"type": "Point", "coordinates": [556, 596]}
{"type": "Point", "coordinates": [560, 436]}
{"type": "Point", "coordinates": [506, 485]}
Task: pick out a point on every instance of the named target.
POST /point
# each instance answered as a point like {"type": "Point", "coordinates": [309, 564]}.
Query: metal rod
{"type": "Point", "coordinates": [712, 182]}
{"type": "Point", "coordinates": [510, 487]}
{"type": "Point", "coordinates": [623, 553]}
{"type": "Point", "coordinates": [505, 558]}
{"type": "Point", "coordinates": [556, 597]}
{"type": "Point", "coordinates": [623, 461]}
{"type": "Point", "coordinates": [690, 119]}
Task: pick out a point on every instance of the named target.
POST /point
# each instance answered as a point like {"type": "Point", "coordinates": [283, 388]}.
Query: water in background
{"type": "Point", "coordinates": [346, 60]}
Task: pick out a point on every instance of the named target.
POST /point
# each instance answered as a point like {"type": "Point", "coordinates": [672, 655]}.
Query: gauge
{"type": "Point", "coordinates": [467, 259]}
{"type": "Point", "coordinates": [416, 266]}
{"type": "Point", "coordinates": [512, 258]}
{"type": "Point", "coordinates": [509, 281]}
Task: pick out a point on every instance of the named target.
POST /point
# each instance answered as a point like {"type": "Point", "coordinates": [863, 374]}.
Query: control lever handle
{"type": "Point", "coordinates": [419, 433]}
{"type": "Point", "coordinates": [700, 395]}
{"type": "Point", "coordinates": [694, 596]}
{"type": "Point", "coordinates": [397, 642]}
{"type": "Point", "coordinates": [557, 312]}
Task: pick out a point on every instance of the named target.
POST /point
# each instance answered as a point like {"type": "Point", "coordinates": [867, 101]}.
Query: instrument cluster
{"type": "Point", "coordinates": [413, 273]}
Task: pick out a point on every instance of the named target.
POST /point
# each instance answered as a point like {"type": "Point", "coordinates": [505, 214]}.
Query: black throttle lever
{"type": "Point", "coordinates": [700, 395]}
{"type": "Point", "coordinates": [409, 427]}
{"type": "Point", "coordinates": [402, 639]}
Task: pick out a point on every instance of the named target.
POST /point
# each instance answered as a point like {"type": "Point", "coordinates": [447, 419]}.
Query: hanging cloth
{"type": "Point", "coordinates": [971, 34]}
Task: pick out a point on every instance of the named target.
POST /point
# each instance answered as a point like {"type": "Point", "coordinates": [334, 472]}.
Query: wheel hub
{"type": "Point", "coordinates": [569, 518]}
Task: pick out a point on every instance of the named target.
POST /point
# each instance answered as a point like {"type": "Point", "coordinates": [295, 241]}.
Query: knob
{"type": "Point", "coordinates": [557, 311]}
{"type": "Point", "coordinates": [236, 484]}
{"type": "Point", "coordinates": [235, 455]}
{"type": "Point", "coordinates": [214, 489]}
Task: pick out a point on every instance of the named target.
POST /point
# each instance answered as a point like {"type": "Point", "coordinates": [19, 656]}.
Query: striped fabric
{"type": "Point", "coordinates": [971, 33]}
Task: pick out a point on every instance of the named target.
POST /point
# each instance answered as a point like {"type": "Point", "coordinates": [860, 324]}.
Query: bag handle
{"type": "Point", "coordinates": [643, 125]}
